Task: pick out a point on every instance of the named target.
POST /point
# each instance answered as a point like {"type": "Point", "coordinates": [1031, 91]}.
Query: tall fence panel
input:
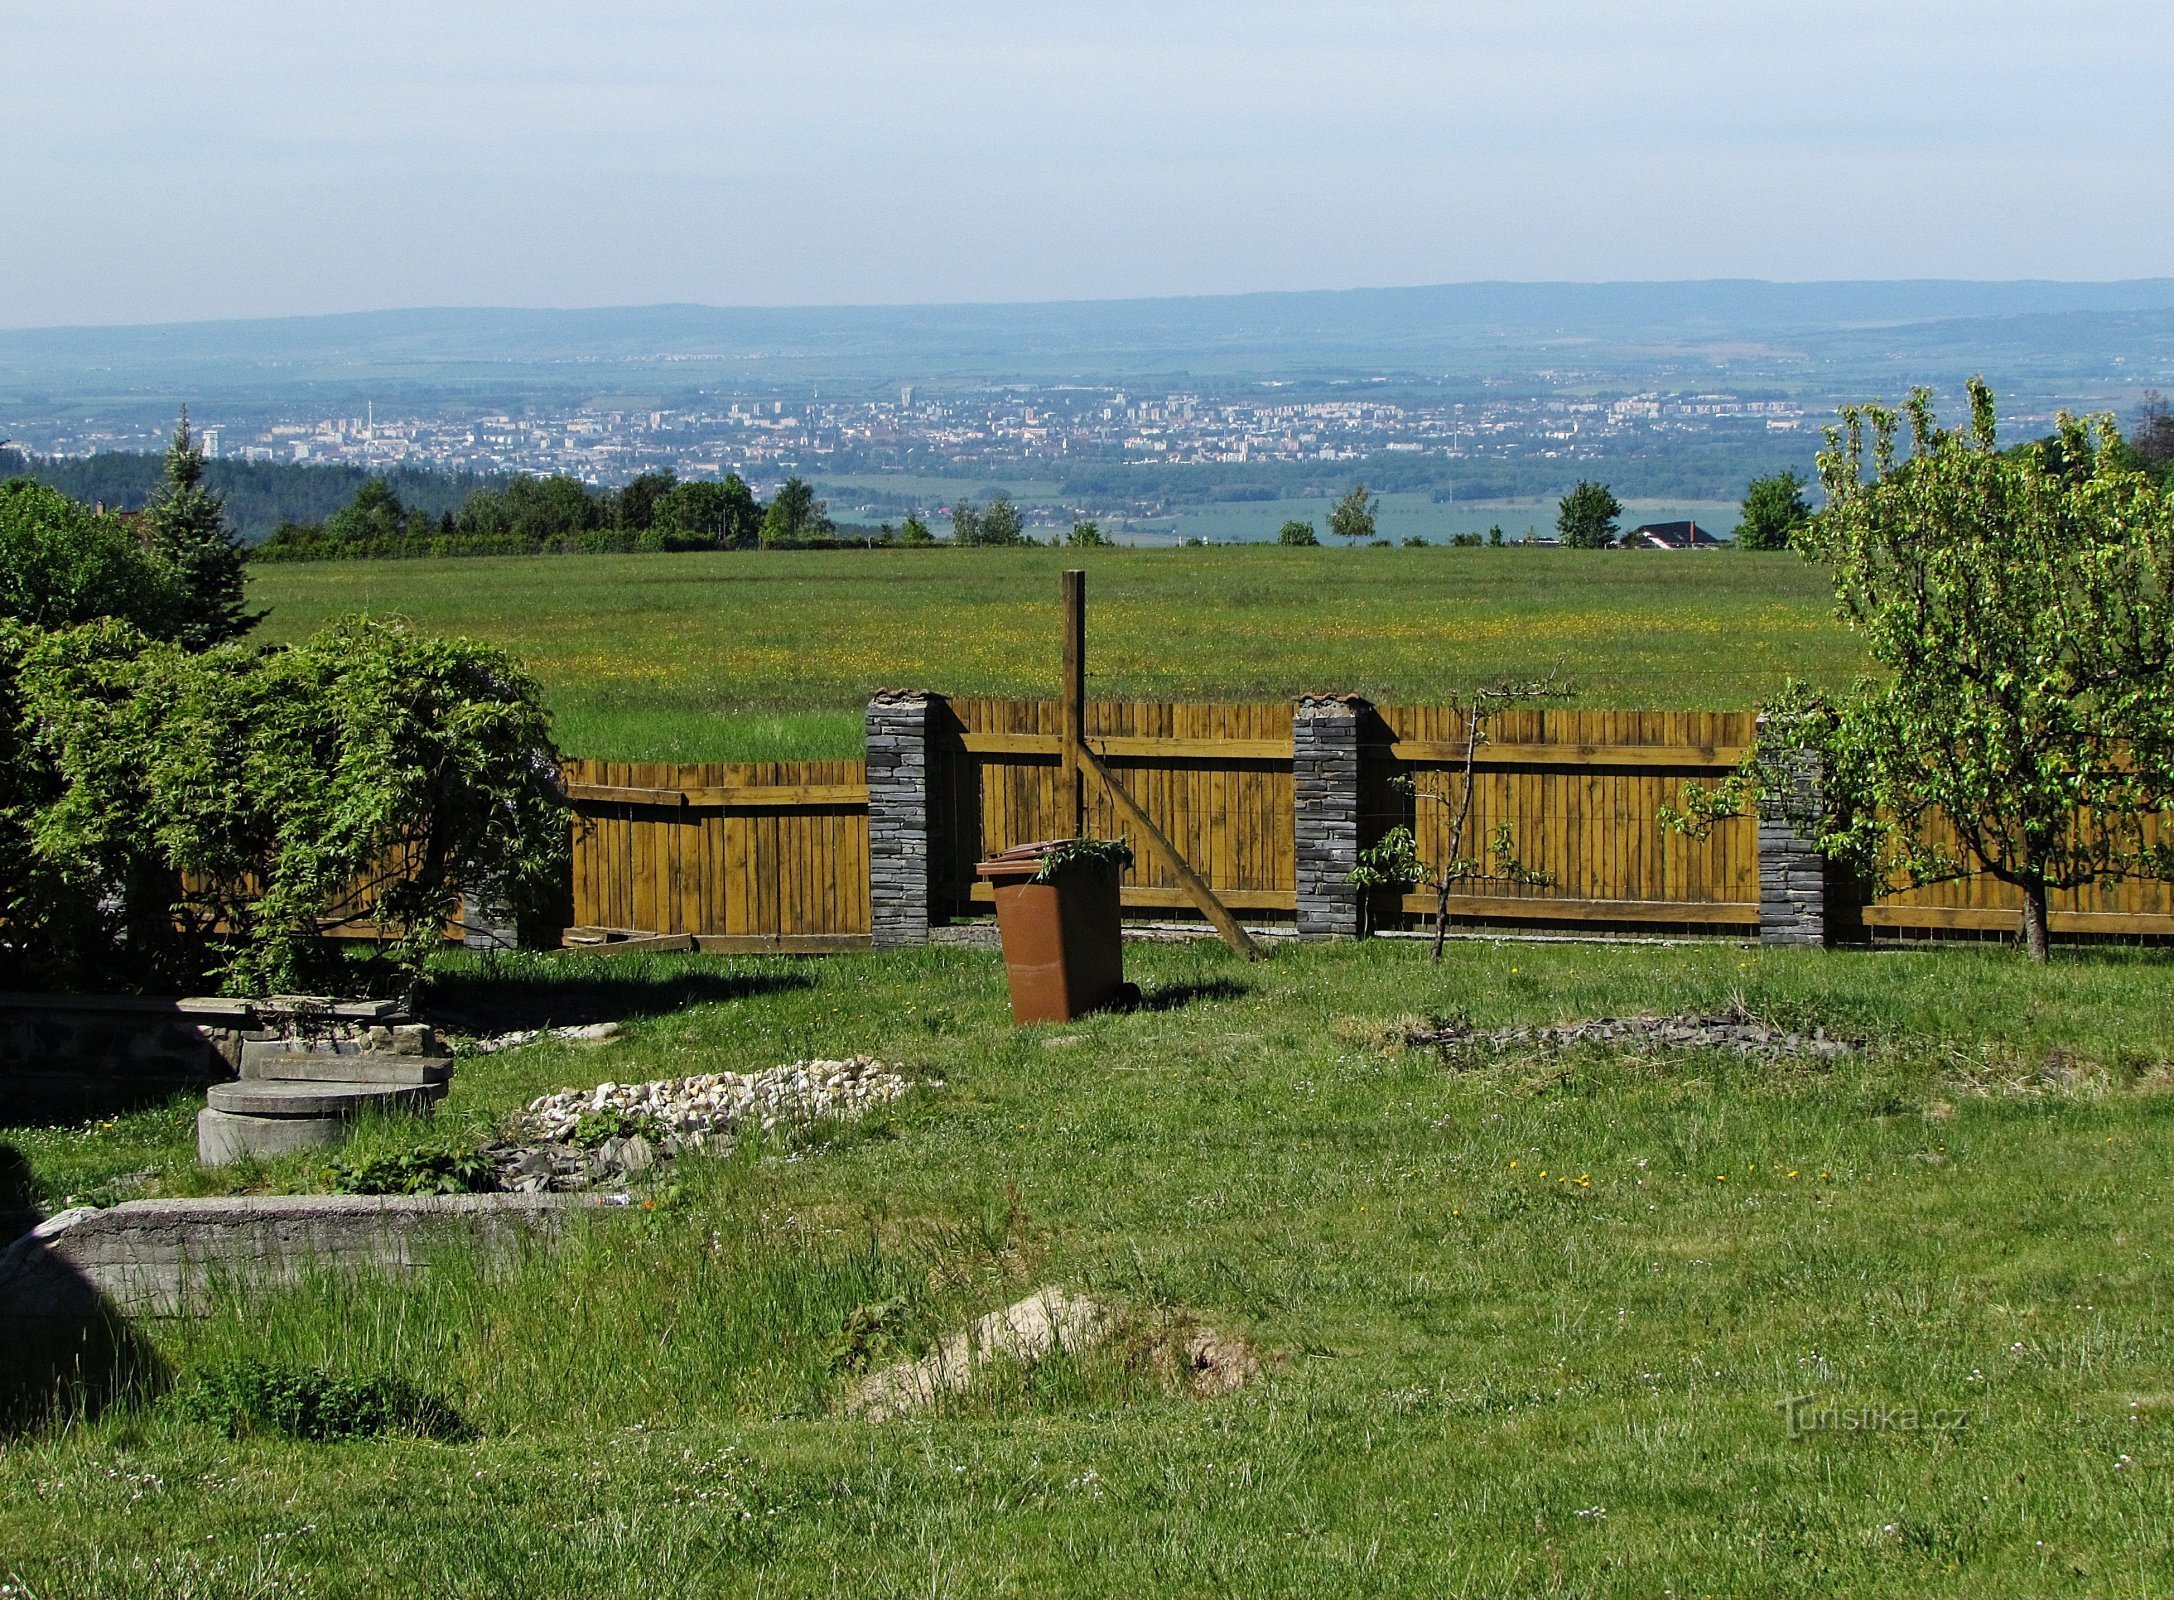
{"type": "Point", "coordinates": [761, 854]}
{"type": "Point", "coordinates": [1579, 793]}
{"type": "Point", "coordinates": [1216, 779]}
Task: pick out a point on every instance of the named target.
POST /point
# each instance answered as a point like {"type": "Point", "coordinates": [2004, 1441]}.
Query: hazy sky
{"type": "Point", "coordinates": [170, 160]}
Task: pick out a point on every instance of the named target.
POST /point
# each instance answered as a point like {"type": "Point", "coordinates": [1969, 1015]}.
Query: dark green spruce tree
{"type": "Point", "coordinates": [189, 536]}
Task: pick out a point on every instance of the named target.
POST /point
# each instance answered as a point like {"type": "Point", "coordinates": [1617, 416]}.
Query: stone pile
{"type": "Point", "coordinates": [1721, 1032]}
{"type": "Point", "coordinates": [673, 1115]}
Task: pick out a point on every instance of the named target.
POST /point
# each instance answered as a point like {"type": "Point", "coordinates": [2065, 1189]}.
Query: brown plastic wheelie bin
{"type": "Point", "coordinates": [1063, 940]}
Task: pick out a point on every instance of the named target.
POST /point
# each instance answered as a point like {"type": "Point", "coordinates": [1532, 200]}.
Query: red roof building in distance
{"type": "Point", "coordinates": [1669, 536]}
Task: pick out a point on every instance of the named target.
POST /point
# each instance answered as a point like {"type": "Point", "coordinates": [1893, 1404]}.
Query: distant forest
{"type": "Point", "coordinates": [261, 496]}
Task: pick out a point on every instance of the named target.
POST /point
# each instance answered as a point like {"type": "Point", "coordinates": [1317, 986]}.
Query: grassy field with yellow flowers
{"type": "Point", "coordinates": [1511, 1321]}
{"type": "Point", "coordinates": [770, 655]}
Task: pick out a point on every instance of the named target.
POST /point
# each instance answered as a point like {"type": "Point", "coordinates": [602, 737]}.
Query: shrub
{"type": "Point", "coordinates": [63, 564]}
{"type": "Point", "coordinates": [191, 817]}
{"type": "Point", "coordinates": [417, 1172]}
{"type": "Point", "coordinates": [245, 1397]}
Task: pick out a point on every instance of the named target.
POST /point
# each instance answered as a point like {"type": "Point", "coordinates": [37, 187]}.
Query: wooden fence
{"type": "Point", "coordinates": [1215, 778]}
{"type": "Point", "coordinates": [775, 856]}
{"type": "Point", "coordinates": [1579, 791]}
{"type": "Point", "coordinates": [759, 856]}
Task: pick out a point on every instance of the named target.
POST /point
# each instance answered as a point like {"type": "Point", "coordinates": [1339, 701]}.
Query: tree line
{"type": "Point", "coordinates": [656, 511]}
{"type": "Point", "coordinates": [259, 495]}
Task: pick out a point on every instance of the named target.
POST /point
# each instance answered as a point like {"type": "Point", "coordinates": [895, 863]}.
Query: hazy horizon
{"type": "Point", "coordinates": [234, 160]}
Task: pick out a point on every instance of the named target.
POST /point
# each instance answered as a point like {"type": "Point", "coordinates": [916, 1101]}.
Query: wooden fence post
{"type": "Point", "coordinates": [900, 775]}
{"type": "Point", "coordinates": [1071, 781]}
{"type": "Point", "coordinates": [1325, 793]}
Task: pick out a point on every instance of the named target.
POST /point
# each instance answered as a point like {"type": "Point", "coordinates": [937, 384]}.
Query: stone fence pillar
{"type": "Point", "coordinates": [1792, 872]}
{"type": "Point", "coordinates": [1325, 791]}
{"type": "Point", "coordinates": [900, 861]}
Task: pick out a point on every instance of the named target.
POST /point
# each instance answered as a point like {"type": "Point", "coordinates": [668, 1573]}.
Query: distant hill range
{"type": "Point", "coordinates": [2064, 342]}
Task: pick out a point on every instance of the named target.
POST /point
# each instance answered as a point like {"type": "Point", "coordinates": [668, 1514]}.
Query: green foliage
{"type": "Point", "coordinates": [1099, 857]}
{"type": "Point", "coordinates": [795, 516]}
{"type": "Point", "coordinates": [997, 524]}
{"type": "Point", "coordinates": [1086, 536]}
{"type": "Point", "coordinates": [1001, 523]}
{"type": "Point", "coordinates": [1296, 532]}
{"type": "Point", "coordinates": [915, 531]}
{"type": "Point", "coordinates": [416, 1172]}
{"type": "Point", "coordinates": [1774, 511]}
{"type": "Point", "coordinates": [1352, 517]}
{"type": "Point", "coordinates": [1390, 862]}
{"type": "Point", "coordinates": [189, 536]}
{"type": "Point", "coordinates": [1586, 518]}
{"type": "Point", "coordinates": [1466, 541]}
{"type": "Point", "coordinates": [2018, 604]}
{"type": "Point", "coordinates": [375, 513]}
{"type": "Point", "coordinates": [2152, 439]}
{"type": "Point", "coordinates": [697, 515]}
{"type": "Point", "coordinates": [634, 507]}
{"type": "Point", "coordinates": [1494, 535]}
{"type": "Point", "coordinates": [249, 1396]}
{"type": "Point", "coordinates": [211, 816]}
{"type": "Point", "coordinates": [594, 1127]}
{"type": "Point", "coordinates": [61, 564]}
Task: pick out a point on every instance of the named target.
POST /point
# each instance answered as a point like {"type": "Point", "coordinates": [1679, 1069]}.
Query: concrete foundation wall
{"type": "Point", "coordinates": [160, 1257]}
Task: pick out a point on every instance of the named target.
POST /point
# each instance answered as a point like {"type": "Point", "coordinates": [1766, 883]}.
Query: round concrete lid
{"type": "Point", "coordinates": [262, 1097]}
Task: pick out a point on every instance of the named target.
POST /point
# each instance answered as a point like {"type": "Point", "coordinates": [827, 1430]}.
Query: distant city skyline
{"type": "Point", "coordinates": [233, 159]}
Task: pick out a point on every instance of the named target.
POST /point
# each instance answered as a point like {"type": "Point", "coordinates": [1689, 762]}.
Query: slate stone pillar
{"type": "Point", "coordinates": [485, 924]}
{"type": "Point", "coordinates": [1792, 872]}
{"type": "Point", "coordinates": [900, 862]}
{"type": "Point", "coordinates": [1325, 790]}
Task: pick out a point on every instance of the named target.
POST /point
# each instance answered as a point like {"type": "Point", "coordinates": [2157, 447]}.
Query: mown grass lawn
{"type": "Point", "coordinates": [1526, 1320]}
{"type": "Point", "coordinates": [771, 655]}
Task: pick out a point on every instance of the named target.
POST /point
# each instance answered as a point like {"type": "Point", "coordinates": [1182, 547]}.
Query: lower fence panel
{"type": "Point", "coordinates": [757, 853]}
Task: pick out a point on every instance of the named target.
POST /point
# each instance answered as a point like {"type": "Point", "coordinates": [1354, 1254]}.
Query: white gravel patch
{"type": "Point", "coordinates": [721, 1102]}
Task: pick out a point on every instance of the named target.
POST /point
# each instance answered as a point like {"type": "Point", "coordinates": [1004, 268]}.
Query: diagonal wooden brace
{"type": "Point", "coordinates": [1088, 764]}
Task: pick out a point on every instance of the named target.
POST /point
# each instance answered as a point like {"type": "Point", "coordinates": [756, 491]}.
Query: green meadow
{"type": "Point", "coordinates": [770, 655]}
{"type": "Point", "coordinates": [1526, 1323]}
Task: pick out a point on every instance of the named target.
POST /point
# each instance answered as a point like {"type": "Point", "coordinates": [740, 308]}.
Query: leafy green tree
{"type": "Point", "coordinates": [2020, 609]}
{"type": "Point", "coordinates": [702, 514]}
{"type": "Point", "coordinates": [210, 815]}
{"type": "Point", "coordinates": [62, 564]}
{"type": "Point", "coordinates": [1586, 519]}
{"type": "Point", "coordinates": [374, 514]}
{"type": "Point", "coordinates": [2152, 439]}
{"type": "Point", "coordinates": [1352, 517]}
{"type": "Point", "coordinates": [189, 536]}
{"type": "Point", "coordinates": [1086, 536]}
{"type": "Point", "coordinates": [1297, 532]}
{"type": "Point", "coordinates": [795, 515]}
{"type": "Point", "coordinates": [635, 506]}
{"type": "Point", "coordinates": [1494, 535]}
{"type": "Point", "coordinates": [965, 521]}
{"type": "Point", "coordinates": [1001, 523]}
{"type": "Point", "coordinates": [1774, 510]}
{"type": "Point", "coordinates": [914, 531]}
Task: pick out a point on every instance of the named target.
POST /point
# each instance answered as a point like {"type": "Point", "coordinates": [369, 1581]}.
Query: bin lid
{"type": "Point", "coordinates": [1030, 852]}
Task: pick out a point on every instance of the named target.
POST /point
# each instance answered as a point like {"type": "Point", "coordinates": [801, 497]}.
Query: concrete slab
{"type": "Point", "coordinates": [407, 1071]}
{"type": "Point", "coordinates": [160, 1257]}
{"type": "Point", "coordinates": [269, 1097]}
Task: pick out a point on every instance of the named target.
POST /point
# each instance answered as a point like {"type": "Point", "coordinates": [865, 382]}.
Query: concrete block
{"type": "Point", "coordinates": [223, 1138]}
